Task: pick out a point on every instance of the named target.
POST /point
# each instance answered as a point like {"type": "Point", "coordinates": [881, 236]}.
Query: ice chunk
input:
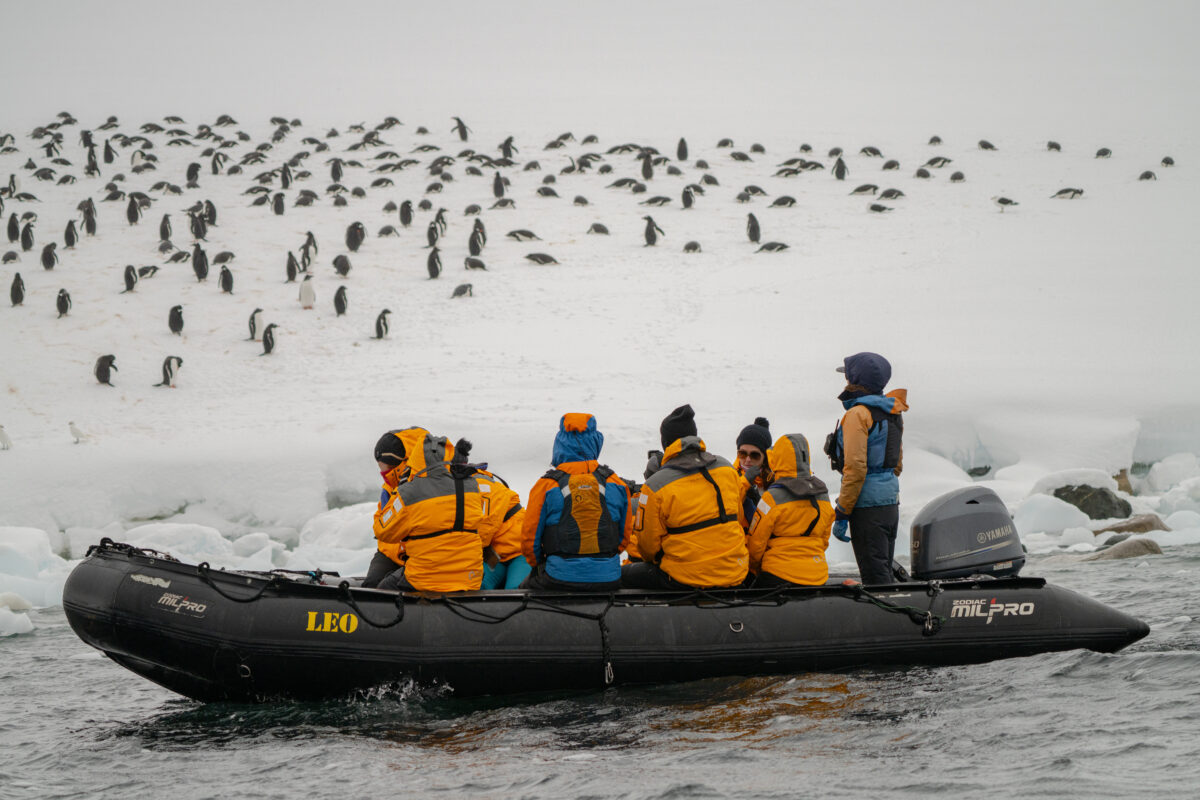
{"type": "Point", "coordinates": [12, 623]}
{"type": "Point", "coordinates": [1172, 471]}
{"type": "Point", "coordinates": [1041, 512]}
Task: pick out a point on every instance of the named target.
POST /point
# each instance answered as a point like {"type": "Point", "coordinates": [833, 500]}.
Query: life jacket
{"type": "Point", "coordinates": [882, 423]}
{"type": "Point", "coordinates": [586, 528]}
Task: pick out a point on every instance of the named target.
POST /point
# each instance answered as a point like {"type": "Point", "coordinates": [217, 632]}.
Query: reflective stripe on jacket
{"type": "Point", "coordinates": [790, 531]}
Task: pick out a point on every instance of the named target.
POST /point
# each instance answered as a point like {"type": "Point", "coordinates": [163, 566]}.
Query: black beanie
{"type": "Point", "coordinates": [679, 423]}
{"type": "Point", "coordinates": [389, 449]}
{"type": "Point", "coordinates": [757, 435]}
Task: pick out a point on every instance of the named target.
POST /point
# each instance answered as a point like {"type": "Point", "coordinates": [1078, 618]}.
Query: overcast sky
{"type": "Point", "coordinates": [613, 65]}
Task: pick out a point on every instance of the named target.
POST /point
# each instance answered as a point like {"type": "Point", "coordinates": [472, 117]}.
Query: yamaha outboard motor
{"type": "Point", "coordinates": [965, 532]}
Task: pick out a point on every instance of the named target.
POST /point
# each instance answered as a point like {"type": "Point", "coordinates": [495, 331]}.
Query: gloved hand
{"type": "Point", "coordinates": [841, 529]}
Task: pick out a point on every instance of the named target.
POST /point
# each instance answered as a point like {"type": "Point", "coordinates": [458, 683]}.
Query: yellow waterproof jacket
{"type": "Point", "coordinates": [790, 530]}
{"type": "Point", "coordinates": [501, 501]}
{"type": "Point", "coordinates": [439, 517]}
{"type": "Point", "coordinates": [688, 521]}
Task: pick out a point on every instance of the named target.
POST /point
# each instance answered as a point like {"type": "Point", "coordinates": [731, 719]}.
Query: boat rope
{"type": "Point", "coordinates": [930, 623]}
{"type": "Point", "coordinates": [128, 549]}
{"type": "Point", "coordinates": [347, 597]}
{"type": "Point", "coordinates": [203, 569]}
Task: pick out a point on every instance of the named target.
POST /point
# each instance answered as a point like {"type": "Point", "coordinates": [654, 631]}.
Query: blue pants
{"type": "Point", "coordinates": [506, 574]}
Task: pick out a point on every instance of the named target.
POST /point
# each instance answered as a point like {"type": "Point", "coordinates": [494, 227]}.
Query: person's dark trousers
{"type": "Point", "coordinates": [644, 575]}
{"type": "Point", "coordinates": [381, 566]}
{"type": "Point", "coordinates": [766, 580]}
{"type": "Point", "coordinates": [873, 535]}
{"type": "Point", "coordinates": [396, 582]}
{"type": "Point", "coordinates": [539, 581]}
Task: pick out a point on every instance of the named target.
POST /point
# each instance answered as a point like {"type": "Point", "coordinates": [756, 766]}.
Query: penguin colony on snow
{"type": "Point", "coordinates": [220, 152]}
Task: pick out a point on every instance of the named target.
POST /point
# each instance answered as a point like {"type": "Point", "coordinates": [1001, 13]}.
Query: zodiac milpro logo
{"type": "Point", "coordinates": [179, 604]}
{"type": "Point", "coordinates": [983, 608]}
{"type": "Point", "coordinates": [331, 622]}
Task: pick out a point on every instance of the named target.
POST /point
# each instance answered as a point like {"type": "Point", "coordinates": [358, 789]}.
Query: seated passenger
{"type": "Point", "coordinates": [653, 463]}
{"type": "Point", "coordinates": [578, 516]}
{"type": "Point", "coordinates": [504, 565]}
{"type": "Point", "coordinates": [688, 524]}
{"type": "Point", "coordinates": [790, 529]}
{"type": "Point", "coordinates": [389, 456]}
{"type": "Point", "coordinates": [443, 514]}
{"type": "Point", "coordinates": [752, 445]}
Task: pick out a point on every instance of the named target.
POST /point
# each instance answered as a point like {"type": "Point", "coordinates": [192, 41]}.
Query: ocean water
{"type": "Point", "coordinates": [1076, 724]}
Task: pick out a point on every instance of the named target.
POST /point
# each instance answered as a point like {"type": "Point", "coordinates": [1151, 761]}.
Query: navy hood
{"type": "Point", "coordinates": [868, 370]}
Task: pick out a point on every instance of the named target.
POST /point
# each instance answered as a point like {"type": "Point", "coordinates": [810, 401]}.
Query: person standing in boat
{"type": "Point", "coordinates": [790, 529]}
{"type": "Point", "coordinates": [688, 523]}
{"type": "Point", "coordinates": [577, 523]}
{"type": "Point", "coordinates": [443, 514]}
{"type": "Point", "coordinates": [752, 464]}
{"type": "Point", "coordinates": [866, 449]}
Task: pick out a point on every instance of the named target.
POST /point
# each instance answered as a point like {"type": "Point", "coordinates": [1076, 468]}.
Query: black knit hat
{"type": "Point", "coordinates": [389, 449]}
{"type": "Point", "coordinates": [679, 423]}
{"type": "Point", "coordinates": [757, 434]}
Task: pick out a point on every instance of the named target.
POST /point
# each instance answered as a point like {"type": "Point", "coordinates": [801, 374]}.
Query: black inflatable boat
{"type": "Point", "coordinates": [242, 636]}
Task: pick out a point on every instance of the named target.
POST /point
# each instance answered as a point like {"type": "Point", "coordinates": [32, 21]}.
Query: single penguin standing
{"type": "Point", "coordinates": [70, 235]}
{"type": "Point", "coordinates": [199, 263]}
{"type": "Point", "coordinates": [16, 292]}
{"type": "Point", "coordinates": [475, 243]}
{"type": "Point", "coordinates": [175, 320]}
{"type": "Point", "coordinates": [27, 236]}
{"type": "Point", "coordinates": [681, 151]}
{"type": "Point", "coordinates": [105, 366]}
{"type": "Point", "coordinates": [406, 213]}
{"type": "Point", "coordinates": [268, 339]}
{"type": "Point", "coordinates": [164, 228]}
{"type": "Point", "coordinates": [341, 264]}
{"type": "Point", "coordinates": [381, 324]}
{"type": "Point", "coordinates": [461, 128]}
{"type": "Point", "coordinates": [63, 303]}
{"type": "Point", "coordinates": [293, 267]}
{"type": "Point", "coordinates": [14, 227]}
{"type": "Point", "coordinates": [433, 264]}
{"type": "Point", "coordinates": [226, 280]}
{"type": "Point", "coordinates": [49, 255]}
{"type": "Point", "coordinates": [840, 171]}
{"type": "Point", "coordinates": [170, 369]}
{"type": "Point", "coordinates": [339, 301]}
{"type": "Point", "coordinates": [431, 234]}
{"type": "Point", "coordinates": [131, 278]}
{"type": "Point", "coordinates": [752, 230]}
{"type": "Point", "coordinates": [652, 231]}
{"type": "Point", "coordinates": [308, 292]}
{"type": "Point", "coordinates": [255, 324]}
{"type": "Point", "coordinates": [498, 186]}
{"type": "Point", "coordinates": [356, 234]}
{"type": "Point", "coordinates": [482, 231]}
{"type": "Point", "coordinates": [133, 212]}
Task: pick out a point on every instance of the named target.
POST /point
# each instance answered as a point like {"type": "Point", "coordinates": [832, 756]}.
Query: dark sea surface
{"type": "Point", "coordinates": [1076, 724]}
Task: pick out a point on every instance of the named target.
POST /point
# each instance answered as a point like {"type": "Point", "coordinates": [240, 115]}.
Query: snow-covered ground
{"type": "Point", "coordinates": [1056, 336]}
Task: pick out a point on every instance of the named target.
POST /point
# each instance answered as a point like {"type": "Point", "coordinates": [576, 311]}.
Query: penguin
{"type": "Point", "coordinates": [878, 208]}
{"type": "Point", "coordinates": [199, 263]}
{"type": "Point", "coordinates": [598, 228]}
{"type": "Point", "coordinates": [70, 236]}
{"type": "Point", "coordinates": [406, 213]}
{"type": "Point", "coordinates": [339, 301]}
{"type": "Point", "coordinates": [1148, 175]}
{"type": "Point", "coordinates": [650, 234]}
{"type": "Point", "coordinates": [957, 177]}
{"type": "Point", "coordinates": [890, 194]}
{"type": "Point", "coordinates": [935, 140]}
{"type": "Point", "coordinates": [198, 227]}
{"type": "Point", "coordinates": [463, 290]}
{"type": "Point", "coordinates": [504, 202]}
{"type": "Point", "coordinates": [105, 366]}
{"type": "Point", "coordinates": [691, 247]}
{"type": "Point", "coordinates": [255, 322]}
{"type": "Point", "coordinates": [840, 170]}
{"type": "Point", "coordinates": [772, 247]}
{"type": "Point", "coordinates": [210, 213]}
{"type": "Point", "coordinates": [175, 320]}
{"type": "Point", "coordinates": [681, 149]}
{"type": "Point", "coordinates": [546, 191]}
{"type": "Point", "coordinates": [783, 201]}
{"type": "Point", "coordinates": [224, 257]}
{"type": "Point", "coordinates": [63, 303]}
{"type": "Point", "coordinates": [1004, 202]}
{"type": "Point", "coordinates": [277, 204]}
{"type": "Point", "coordinates": [439, 219]}
{"type": "Point", "coordinates": [164, 228]}
{"type": "Point", "coordinates": [937, 162]}
{"type": "Point", "coordinates": [16, 292]}
{"type": "Point", "coordinates": [984, 144]}
{"type": "Point", "coordinates": [1168, 161]}
{"type": "Point", "coordinates": [688, 199]}
{"type": "Point", "coordinates": [292, 268]}
{"type": "Point", "coordinates": [473, 208]}
{"type": "Point", "coordinates": [891, 164]}
{"type": "Point", "coordinates": [308, 292]}
{"type": "Point", "coordinates": [522, 235]}
{"type": "Point", "coordinates": [341, 264]}
{"type": "Point", "coordinates": [170, 368]}
{"type": "Point", "coordinates": [1053, 146]}
{"type": "Point", "coordinates": [431, 234]}
{"type": "Point", "coordinates": [9, 257]}
{"type": "Point", "coordinates": [1066, 194]}
{"type": "Point", "coordinates": [193, 175]}
{"type": "Point", "coordinates": [356, 234]}
{"type": "Point", "coordinates": [866, 188]}
{"type": "Point", "coordinates": [131, 278]}
{"type": "Point", "coordinates": [922, 173]}
{"type": "Point", "coordinates": [381, 324]}
{"type": "Point", "coordinates": [310, 243]}
{"type": "Point", "coordinates": [14, 227]}
{"type": "Point", "coordinates": [475, 243]}
{"type": "Point", "coordinates": [388, 230]}
{"type": "Point", "coordinates": [268, 340]}
{"type": "Point", "coordinates": [481, 230]}
{"type": "Point", "coordinates": [225, 281]}
{"type": "Point", "coordinates": [133, 211]}
{"type": "Point", "coordinates": [433, 264]}
{"type": "Point", "coordinates": [473, 263]}
{"type": "Point", "coordinates": [1103, 152]}
{"type": "Point", "coordinates": [49, 256]}
{"type": "Point", "coordinates": [752, 229]}
{"type": "Point", "coordinates": [647, 166]}
{"type": "Point", "coordinates": [77, 434]}
{"type": "Point", "coordinates": [460, 128]}
{"type": "Point", "coordinates": [27, 237]}
{"type": "Point", "coordinates": [541, 258]}
{"type": "Point", "coordinates": [89, 219]}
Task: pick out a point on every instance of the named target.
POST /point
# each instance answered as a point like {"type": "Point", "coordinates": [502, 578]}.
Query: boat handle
{"type": "Point", "coordinates": [736, 627]}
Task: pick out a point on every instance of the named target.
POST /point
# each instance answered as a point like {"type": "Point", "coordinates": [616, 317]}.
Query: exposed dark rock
{"type": "Point", "coordinates": [1096, 503]}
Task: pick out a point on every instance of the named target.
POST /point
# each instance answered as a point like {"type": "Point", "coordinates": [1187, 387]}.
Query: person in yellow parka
{"type": "Point", "coordinates": [688, 522]}
{"type": "Point", "coordinates": [389, 456]}
{"type": "Point", "coordinates": [790, 530]}
{"type": "Point", "coordinates": [442, 514]}
{"type": "Point", "coordinates": [504, 564]}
